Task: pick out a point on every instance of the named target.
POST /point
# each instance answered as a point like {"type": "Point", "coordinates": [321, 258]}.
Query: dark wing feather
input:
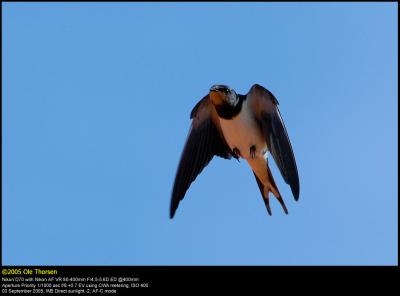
{"type": "Point", "coordinates": [265, 106]}
{"type": "Point", "coordinates": [203, 142]}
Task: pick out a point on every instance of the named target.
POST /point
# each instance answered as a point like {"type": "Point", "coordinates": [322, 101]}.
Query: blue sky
{"type": "Point", "coordinates": [96, 103]}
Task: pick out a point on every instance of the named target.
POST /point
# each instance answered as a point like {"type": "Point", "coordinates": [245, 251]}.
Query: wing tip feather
{"type": "Point", "coordinates": [171, 215]}
{"type": "Point", "coordinates": [172, 209]}
{"type": "Point", "coordinates": [296, 191]}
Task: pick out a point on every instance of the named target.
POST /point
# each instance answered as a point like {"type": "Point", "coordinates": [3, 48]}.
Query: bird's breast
{"type": "Point", "coordinates": [242, 132]}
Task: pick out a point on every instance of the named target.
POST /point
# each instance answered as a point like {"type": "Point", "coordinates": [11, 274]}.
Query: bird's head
{"type": "Point", "coordinates": [222, 94]}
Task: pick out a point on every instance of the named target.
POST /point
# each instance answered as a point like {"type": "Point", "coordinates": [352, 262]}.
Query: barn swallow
{"type": "Point", "coordinates": [227, 124]}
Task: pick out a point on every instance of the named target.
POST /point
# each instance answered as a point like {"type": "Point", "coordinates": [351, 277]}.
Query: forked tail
{"type": "Point", "coordinates": [269, 186]}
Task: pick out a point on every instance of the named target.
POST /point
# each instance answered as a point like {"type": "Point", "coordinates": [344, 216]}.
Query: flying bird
{"type": "Point", "coordinates": [227, 124]}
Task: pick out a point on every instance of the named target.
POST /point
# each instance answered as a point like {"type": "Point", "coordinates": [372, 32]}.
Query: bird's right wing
{"type": "Point", "coordinates": [205, 140]}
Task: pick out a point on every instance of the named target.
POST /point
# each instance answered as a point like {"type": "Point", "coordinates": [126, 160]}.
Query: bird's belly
{"type": "Point", "coordinates": [241, 133]}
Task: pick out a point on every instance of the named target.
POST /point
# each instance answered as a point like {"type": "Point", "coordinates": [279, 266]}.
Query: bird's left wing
{"type": "Point", "coordinates": [205, 140]}
{"type": "Point", "coordinates": [265, 107]}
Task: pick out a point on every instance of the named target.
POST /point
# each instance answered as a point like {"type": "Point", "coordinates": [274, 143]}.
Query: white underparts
{"type": "Point", "coordinates": [242, 132]}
